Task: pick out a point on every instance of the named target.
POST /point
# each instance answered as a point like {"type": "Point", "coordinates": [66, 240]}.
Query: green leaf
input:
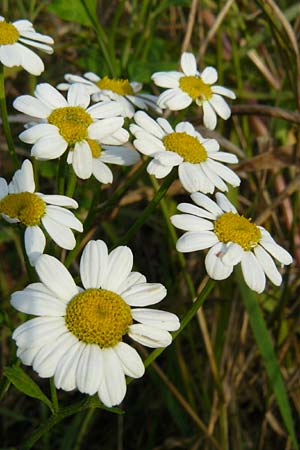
{"type": "Point", "coordinates": [264, 344]}
{"type": "Point", "coordinates": [25, 384]}
{"type": "Point", "coordinates": [74, 12]}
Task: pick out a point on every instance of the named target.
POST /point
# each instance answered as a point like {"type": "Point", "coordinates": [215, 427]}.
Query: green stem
{"type": "Point", "coordinates": [5, 122]}
{"type": "Point", "coordinates": [71, 183]}
{"type": "Point", "coordinates": [61, 173]}
{"type": "Point", "coordinates": [30, 271]}
{"type": "Point", "coordinates": [84, 428]}
{"type": "Point", "coordinates": [54, 395]}
{"type": "Point", "coordinates": [149, 209]}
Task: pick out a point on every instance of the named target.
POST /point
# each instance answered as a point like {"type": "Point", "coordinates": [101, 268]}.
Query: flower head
{"type": "Point", "coordinates": [14, 38]}
{"type": "Point", "coordinates": [70, 125]}
{"type": "Point", "coordinates": [121, 90]}
{"type": "Point", "coordinates": [191, 85]}
{"type": "Point", "coordinates": [19, 203]}
{"type": "Point", "coordinates": [231, 238]}
{"type": "Point", "coordinates": [198, 159]}
{"type": "Point", "coordinates": [78, 334]}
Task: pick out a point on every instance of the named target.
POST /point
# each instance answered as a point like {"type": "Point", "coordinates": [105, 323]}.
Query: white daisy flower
{"type": "Point", "coordinates": [121, 90]}
{"type": "Point", "coordinates": [198, 159]}
{"type": "Point", "coordinates": [14, 37]}
{"type": "Point", "coordinates": [19, 203]}
{"type": "Point", "coordinates": [231, 238]}
{"type": "Point", "coordinates": [78, 334]}
{"type": "Point", "coordinates": [189, 85]}
{"type": "Point", "coordinates": [70, 125]}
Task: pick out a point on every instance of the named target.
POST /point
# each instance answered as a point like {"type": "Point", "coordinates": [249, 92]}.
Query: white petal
{"type": "Point", "coordinates": [196, 240]}
{"type": "Point", "coordinates": [149, 336]}
{"type": "Point", "coordinates": [131, 361]}
{"type": "Point", "coordinates": [209, 116]}
{"type": "Point", "coordinates": [93, 259]}
{"type": "Point", "coordinates": [112, 390]}
{"type": "Point", "coordinates": [40, 330]}
{"type": "Point", "coordinates": [276, 250]}
{"type": "Point", "coordinates": [27, 354]}
{"type": "Point", "coordinates": [223, 91]}
{"type": "Point", "coordinates": [33, 35]}
{"type": "Point", "coordinates": [224, 172]}
{"type": "Point", "coordinates": [31, 106]}
{"type": "Point", "coordinates": [35, 242]}
{"type": "Point", "coordinates": [119, 266]}
{"type": "Point", "coordinates": [65, 374]}
{"type": "Point", "coordinates": [168, 158]}
{"type": "Point", "coordinates": [37, 303]}
{"type": "Point", "coordinates": [174, 99]}
{"type": "Point", "coordinates": [32, 134]}
{"type": "Point", "coordinates": [224, 203]}
{"type": "Point", "coordinates": [30, 61]}
{"type": "Point", "coordinates": [207, 203]}
{"type": "Point", "coordinates": [3, 188]}
{"type": "Point", "coordinates": [105, 110]}
{"type": "Point", "coordinates": [155, 318]}
{"type": "Point", "coordinates": [59, 200]}
{"type": "Point", "coordinates": [82, 160]}
{"type": "Point", "coordinates": [185, 127]}
{"type": "Point", "coordinates": [56, 277]}
{"type": "Point", "coordinates": [268, 265]}
{"type": "Point", "coordinates": [49, 147]}
{"type": "Point", "coordinates": [233, 254]}
{"type": "Point", "coordinates": [122, 156]}
{"type": "Point", "coordinates": [195, 210]}
{"type": "Point", "coordinates": [214, 265]}
{"type": "Point", "coordinates": [167, 79]}
{"type": "Point", "coordinates": [117, 138]}
{"type": "Point", "coordinates": [78, 96]}
{"type": "Point", "coordinates": [188, 64]}
{"type": "Point", "coordinates": [90, 371]}
{"type": "Point", "coordinates": [164, 124]}
{"type": "Point", "coordinates": [150, 125]}
{"type": "Point", "coordinates": [224, 157]}
{"type": "Point", "coordinates": [188, 222]}
{"type": "Point", "coordinates": [64, 217]}
{"type": "Point", "coordinates": [213, 177]}
{"type": "Point", "coordinates": [157, 169]}
{"type": "Point", "coordinates": [10, 55]}
{"type": "Point", "coordinates": [102, 128]}
{"type": "Point", "coordinates": [102, 172]}
{"type": "Point", "coordinates": [209, 75]}
{"type": "Point", "coordinates": [148, 144]}
{"type": "Point", "coordinates": [193, 178]}
{"type": "Point", "coordinates": [23, 180]}
{"type": "Point", "coordinates": [43, 47]}
{"type": "Point", "coordinates": [50, 96]}
{"type": "Point", "coordinates": [220, 106]}
{"type": "Point", "coordinates": [132, 279]}
{"type": "Point", "coordinates": [60, 234]}
{"type": "Point", "coordinates": [46, 360]}
{"type": "Point", "coordinates": [253, 273]}
{"type": "Point", "coordinates": [144, 294]}
{"type": "Point", "coordinates": [211, 146]}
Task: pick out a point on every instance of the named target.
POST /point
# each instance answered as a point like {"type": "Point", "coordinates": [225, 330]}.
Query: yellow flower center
{"type": "Point", "coordinates": [8, 33]}
{"type": "Point", "coordinates": [231, 227]}
{"type": "Point", "coordinates": [98, 316]}
{"type": "Point", "coordinates": [195, 88]}
{"type": "Point", "coordinates": [95, 147]}
{"type": "Point", "coordinates": [72, 122]}
{"type": "Point", "coordinates": [121, 87]}
{"type": "Point", "coordinates": [27, 207]}
{"type": "Point", "coordinates": [186, 146]}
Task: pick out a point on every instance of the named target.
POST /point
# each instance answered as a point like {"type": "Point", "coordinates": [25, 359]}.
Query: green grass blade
{"type": "Point", "coordinates": [267, 352]}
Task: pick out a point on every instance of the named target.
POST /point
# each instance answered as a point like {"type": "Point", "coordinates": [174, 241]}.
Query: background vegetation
{"type": "Point", "coordinates": [218, 386]}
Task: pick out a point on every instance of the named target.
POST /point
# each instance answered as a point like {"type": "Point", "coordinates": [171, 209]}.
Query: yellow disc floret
{"type": "Point", "coordinates": [195, 88]}
{"type": "Point", "coordinates": [27, 207]}
{"type": "Point", "coordinates": [72, 122]}
{"type": "Point", "coordinates": [95, 147]}
{"type": "Point", "coordinates": [98, 316]}
{"type": "Point", "coordinates": [231, 227]}
{"type": "Point", "coordinates": [8, 33]}
{"type": "Point", "coordinates": [121, 87]}
{"type": "Point", "coordinates": [186, 146]}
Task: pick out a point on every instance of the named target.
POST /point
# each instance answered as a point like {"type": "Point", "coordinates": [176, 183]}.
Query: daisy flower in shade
{"type": "Point", "coordinates": [14, 37]}
{"type": "Point", "coordinates": [70, 125]}
{"type": "Point", "coordinates": [78, 334]}
{"type": "Point", "coordinates": [124, 92]}
{"type": "Point", "coordinates": [198, 159]}
{"type": "Point", "coordinates": [231, 238]}
{"type": "Point", "coordinates": [191, 85]}
{"type": "Point", "coordinates": [19, 203]}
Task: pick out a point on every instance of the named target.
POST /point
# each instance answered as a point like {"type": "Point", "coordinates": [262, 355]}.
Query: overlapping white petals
{"type": "Point", "coordinates": [256, 260]}
{"type": "Point", "coordinates": [53, 349]}
{"type": "Point", "coordinates": [204, 176]}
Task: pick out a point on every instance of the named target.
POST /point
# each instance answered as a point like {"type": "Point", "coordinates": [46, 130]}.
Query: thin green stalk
{"type": "Point", "coordinates": [84, 428]}
{"type": "Point", "coordinates": [71, 183]}
{"type": "Point", "coordinates": [5, 122]}
{"type": "Point", "coordinates": [115, 22]}
{"type": "Point", "coordinates": [61, 173]}
{"type": "Point", "coordinates": [102, 39]}
{"type": "Point", "coordinates": [54, 395]}
{"type": "Point", "coordinates": [30, 270]}
{"type": "Point", "coordinates": [149, 209]}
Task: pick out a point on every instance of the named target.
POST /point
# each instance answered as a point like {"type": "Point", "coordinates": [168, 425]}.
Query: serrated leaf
{"type": "Point", "coordinates": [25, 384]}
{"type": "Point", "coordinates": [73, 13]}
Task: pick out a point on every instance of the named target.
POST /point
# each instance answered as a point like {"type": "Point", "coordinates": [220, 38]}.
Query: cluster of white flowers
{"type": "Point", "coordinates": [69, 340]}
